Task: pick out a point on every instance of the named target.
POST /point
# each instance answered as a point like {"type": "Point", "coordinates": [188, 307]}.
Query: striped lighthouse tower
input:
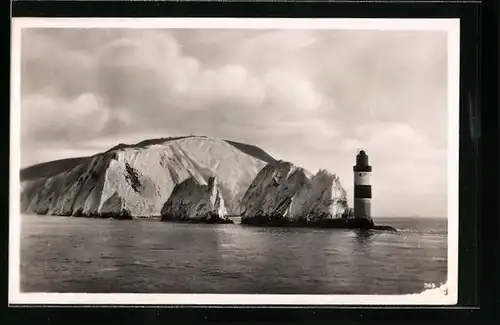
{"type": "Point", "coordinates": [362, 187]}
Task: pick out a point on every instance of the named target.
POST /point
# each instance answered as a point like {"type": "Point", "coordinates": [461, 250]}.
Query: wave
{"type": "Point", "coordinates": [433, 290]}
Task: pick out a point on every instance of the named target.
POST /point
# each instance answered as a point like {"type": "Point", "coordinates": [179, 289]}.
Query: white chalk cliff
{"type": "Point", "coordinates": [137, 180]}
{"type": "Point", "coordinates": [186, 179]}
{"type": "Point", "coordinates": [286, 192]}
{"type": "Point", "coordinates": [193, 200]}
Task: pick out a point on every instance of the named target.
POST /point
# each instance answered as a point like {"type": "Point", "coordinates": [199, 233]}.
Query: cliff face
{"type": "Point", "coordinates": [133, 181]}
{"type": "Point", "coordinates": [194, 179]}
{"type": "Point", "coordinates": [281, 191]}
{"type": "Point", "coordinates": [195, 201]}
{"type": "Point", "coordinates": [73, 192]}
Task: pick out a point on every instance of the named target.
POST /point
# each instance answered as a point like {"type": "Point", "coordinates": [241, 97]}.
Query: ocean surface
{"type": "Point", "coordinates": [64, 254]}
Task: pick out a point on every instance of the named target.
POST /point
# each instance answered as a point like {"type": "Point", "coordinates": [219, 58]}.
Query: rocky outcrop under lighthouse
{"type": "Point", "coordinates": [283, 194]}
{"type": "Point", "coordinates": [196, 201]}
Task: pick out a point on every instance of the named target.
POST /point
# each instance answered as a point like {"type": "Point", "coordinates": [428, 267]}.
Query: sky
{"type": "Point", "coordinates": [312, 97]}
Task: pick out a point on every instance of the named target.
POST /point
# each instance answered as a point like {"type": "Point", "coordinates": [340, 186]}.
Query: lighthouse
{"type": "Point", "coordinates": [362, 187]}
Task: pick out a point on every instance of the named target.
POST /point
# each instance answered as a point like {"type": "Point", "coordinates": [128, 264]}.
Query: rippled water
{"type": "Point", "coordinates": [61, 254]}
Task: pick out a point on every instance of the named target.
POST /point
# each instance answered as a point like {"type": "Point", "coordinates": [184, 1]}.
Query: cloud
{"type": "Point", "coordinates": [278, 42]}
{"type": "Point", "coordinates": [146, 81]}
{"type": "Point", "coordinates": [259, 49]}
{"type": "Point", "coordinates": [286, 90]}
{"type": "Point", "coordinates": [388, 139]}
{"type": "Point", "coordinates": [49, 67]}
{"type": "Point", "coordinates": [41, 155]}
{"type": "Point", "coordinates": [45, 118]}
{"type": "Point", "coordinates": [134, 71]}
{"type": "Point", "coordinates": [153, 74]}
{"type": "Point", "coordinates": [311, 97]}
{"type": "Point", "coordinates": [400, 153]}
{"type": "Point", "coordinates": [51, 128]}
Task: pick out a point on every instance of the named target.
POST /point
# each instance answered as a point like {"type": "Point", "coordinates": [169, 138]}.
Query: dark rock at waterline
{"type": "Point", "coordinates": [347, 223]}
{"type": "Point", "coordinates": [385, 228]}
{"type": "Point", "coordinates": [122, 215]}
{"type": "Point", "coordinates": [278, 220]}
{"type": "Point", "coordinates": [220, 221]}
{"type": "Point", "coordinates": [208, 218]}
{"type": "Point", "coordinates": [336, 223]}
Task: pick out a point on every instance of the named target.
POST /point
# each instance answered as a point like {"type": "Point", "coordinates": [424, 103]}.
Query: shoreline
{"type": "Point", "coordinates": [260, 221]}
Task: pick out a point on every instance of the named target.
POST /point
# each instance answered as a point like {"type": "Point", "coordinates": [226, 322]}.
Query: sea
{"type": "Point", "coordinates": [81, 255]}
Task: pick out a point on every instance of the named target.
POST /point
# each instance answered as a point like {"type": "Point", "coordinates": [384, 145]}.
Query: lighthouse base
{"type": "Point", "coordinates": [341, 223]}
{"type": "Point", "coordinates": [354, 223]}
{"type": "Point", "coordinates": [337, 223]}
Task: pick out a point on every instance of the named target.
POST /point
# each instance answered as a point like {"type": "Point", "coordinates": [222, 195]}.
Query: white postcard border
{"type": "Point", "coordinates": [451, 26]}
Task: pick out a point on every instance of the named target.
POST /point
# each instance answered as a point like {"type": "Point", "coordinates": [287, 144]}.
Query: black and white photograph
{"type": "Point", "coordinates": [234, 161]}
